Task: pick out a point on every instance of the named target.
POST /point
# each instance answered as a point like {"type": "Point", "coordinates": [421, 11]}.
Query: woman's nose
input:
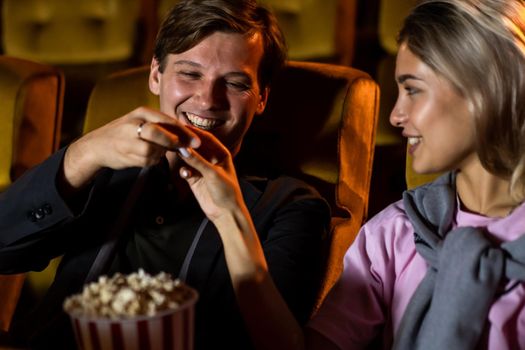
{"type": "Point", "coordinates": [398, 116]}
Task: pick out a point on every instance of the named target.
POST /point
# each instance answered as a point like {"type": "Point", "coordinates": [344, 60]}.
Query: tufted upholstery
{"type": "Point", "coordinates": [87, 39]}
{"type": "Point", "coordinates": [391, 15]}
{"type": "Point", "coordinates": [314, 29]}
{"type": "Point", "coordinates": [319, 125]}
{"type": "Point", "coordinates": [309, 26]}
{"type": "Point", "coordinates": [32, 96]}
{"type": "Point", "coordinates": [73, 32]}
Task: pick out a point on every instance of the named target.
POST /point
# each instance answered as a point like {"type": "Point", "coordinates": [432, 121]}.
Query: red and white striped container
{"type": "Point", "coordinates": [168, 330]}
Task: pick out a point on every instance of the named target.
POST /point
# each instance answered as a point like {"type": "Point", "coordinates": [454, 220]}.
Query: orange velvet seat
{"type": "Point", "coordinates": [32, 96]}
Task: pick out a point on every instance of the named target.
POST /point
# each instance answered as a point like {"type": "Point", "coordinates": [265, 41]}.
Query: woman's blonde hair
{"type": "Point", "coordinates": [479, 45]}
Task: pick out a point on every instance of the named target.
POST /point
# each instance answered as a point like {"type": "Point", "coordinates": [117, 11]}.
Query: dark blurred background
{"type": "Point", "coordinates": [89, 39]}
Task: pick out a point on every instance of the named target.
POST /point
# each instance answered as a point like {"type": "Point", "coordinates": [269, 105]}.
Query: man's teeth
{"type": "Point", "coordinates": [414, 140]}
{"type": "Point", "coordinates": [203, 123]}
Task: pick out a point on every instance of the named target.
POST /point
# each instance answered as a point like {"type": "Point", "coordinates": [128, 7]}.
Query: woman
{"type": "Point", "coordinates": [445, 267]}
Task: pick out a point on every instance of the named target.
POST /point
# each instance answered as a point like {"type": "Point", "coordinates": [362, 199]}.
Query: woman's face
{"type": "Point", "coordinates": [434, 116]}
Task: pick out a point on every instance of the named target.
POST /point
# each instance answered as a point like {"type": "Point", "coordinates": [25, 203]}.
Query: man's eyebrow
{"type": "Point", "coordinates": [404, 77]}
{"type": "Point", "coordinates": [198, 65]}
{"type": "Point", "coordinates": [190, 63]}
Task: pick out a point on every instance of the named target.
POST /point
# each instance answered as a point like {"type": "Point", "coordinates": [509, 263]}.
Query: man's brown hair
{"type": "Point", "coordinates": [191, 21]}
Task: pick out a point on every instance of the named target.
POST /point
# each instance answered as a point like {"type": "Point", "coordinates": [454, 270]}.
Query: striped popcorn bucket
{"type": "Point", "coordinates": [168, 330]}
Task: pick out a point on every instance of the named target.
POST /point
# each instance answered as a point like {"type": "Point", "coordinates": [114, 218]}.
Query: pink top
{"type": "Point", "coordinates": [382, 270]}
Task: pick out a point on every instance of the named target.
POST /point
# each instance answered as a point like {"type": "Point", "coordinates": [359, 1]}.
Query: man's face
{"type": "Point", "coordinates": [214, 85]}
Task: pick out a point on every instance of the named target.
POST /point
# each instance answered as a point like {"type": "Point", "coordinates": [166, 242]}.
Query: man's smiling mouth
{"type": "Point", "coordinates": [203, 123]}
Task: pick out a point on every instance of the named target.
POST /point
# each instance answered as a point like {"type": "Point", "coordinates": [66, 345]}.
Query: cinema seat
{"type": "Point", "coordinates": [30, 118]}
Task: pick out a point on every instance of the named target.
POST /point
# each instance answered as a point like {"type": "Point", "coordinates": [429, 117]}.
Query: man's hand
{"type": "Point", "coordinates": [119, 145]}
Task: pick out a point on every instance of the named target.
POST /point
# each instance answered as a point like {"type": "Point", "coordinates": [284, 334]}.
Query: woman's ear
{"type": "Point", "coordinates": [154, 77]}
{"type": "Point", "coordinates": [263, 99]}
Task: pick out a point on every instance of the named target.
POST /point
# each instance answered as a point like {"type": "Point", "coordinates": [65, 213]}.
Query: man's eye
{"type": "Point", "coordinates": [191, 75]}
{"type": "Point", "coordinates": [238, 86]}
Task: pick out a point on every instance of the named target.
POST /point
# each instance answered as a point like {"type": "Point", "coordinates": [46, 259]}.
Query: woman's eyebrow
{"type": "Point", "coordinates": [404, 77]}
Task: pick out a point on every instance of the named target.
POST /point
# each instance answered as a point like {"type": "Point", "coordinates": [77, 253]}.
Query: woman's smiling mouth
{"type": "Point", "coordinates": [414, 140]}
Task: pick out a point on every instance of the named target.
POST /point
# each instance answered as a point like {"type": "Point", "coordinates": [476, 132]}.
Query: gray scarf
{"type": "Point", "coordinates": [449, 308]}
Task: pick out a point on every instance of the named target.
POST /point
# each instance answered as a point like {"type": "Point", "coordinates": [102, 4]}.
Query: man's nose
{"type": "Point", "coordinates": [212, 95]}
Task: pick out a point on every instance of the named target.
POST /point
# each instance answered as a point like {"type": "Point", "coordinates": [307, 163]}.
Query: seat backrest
{"type": "Point", "coordinates": [309, 26]}
{"type": "Point", "coordinates": [319, 126]}
{"type": "Point", "coordinates": [391, 15]}
{"type": "Point", "coordinates": [32, 97]}
{"type": "Point", "coordinates": [70, 32]}
{"type": "Point", "coordinates": [30, 117]}
{"type": "Point", "coordinates": [314, 29]}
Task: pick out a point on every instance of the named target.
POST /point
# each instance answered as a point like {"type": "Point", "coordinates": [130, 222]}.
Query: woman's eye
{"type": "Point", "coordinates": [411, 90]}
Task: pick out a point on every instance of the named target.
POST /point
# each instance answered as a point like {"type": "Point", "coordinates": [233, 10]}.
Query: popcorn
{"type": "Point", "coordinates": [138, 294]}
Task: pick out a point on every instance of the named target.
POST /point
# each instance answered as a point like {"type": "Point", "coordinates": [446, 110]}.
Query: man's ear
{"type": "Point", "coordinates": [263, 99]}
{"type": "Point", "coordinates": [154, 77]}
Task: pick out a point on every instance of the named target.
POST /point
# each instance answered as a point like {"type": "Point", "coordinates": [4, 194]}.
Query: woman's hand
{"type": "Point", "coordinates": [212, 177]}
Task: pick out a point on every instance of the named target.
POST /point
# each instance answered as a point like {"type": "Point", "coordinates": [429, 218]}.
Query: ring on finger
{"type": "Point", "coordinates": [139, 129]}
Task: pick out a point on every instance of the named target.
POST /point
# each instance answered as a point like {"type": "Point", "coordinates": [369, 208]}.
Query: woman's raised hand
{"type": "Point", "coordinates": [211, 175]}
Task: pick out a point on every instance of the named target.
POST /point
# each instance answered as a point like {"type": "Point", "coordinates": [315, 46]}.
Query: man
{"type": "Point", "coordinates": [194, 218]}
